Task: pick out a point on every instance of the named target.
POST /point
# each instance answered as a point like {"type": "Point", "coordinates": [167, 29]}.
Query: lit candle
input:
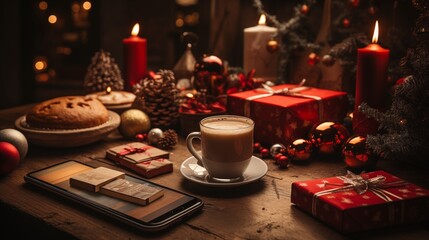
{"type": "Point", "coordinates": [256, 56]}
{"type": "Point", "coordinates": [371, 83]}
{"type": "Point", "coordinates": [134, 58]}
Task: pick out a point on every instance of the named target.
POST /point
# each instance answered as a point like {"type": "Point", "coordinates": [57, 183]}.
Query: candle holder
{"type": "Point", "coordinates": [117, 101]}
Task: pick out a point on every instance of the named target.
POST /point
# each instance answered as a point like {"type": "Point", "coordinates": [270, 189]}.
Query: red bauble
{"type": "Point", "coordinates": [346, 22]}
{"type": "Point", "coordinates": [357, 155]}
{"type": "Point", "coordinates": [313, 59]}
{"type": "Point", "coordinates": [328, 137]}
{"type": "Point", "coordinates": [272, 46]}
{"type": "Point", "coordinates": [208, 75]}
{"type": "Point", "coordinates": [282, 161]}
{"type": "Point", "coordinates": [304, 9]}
{"type": "Point", "coordinates": [300, 150]}
{"type": "Point", "coordinates": [9, 158]}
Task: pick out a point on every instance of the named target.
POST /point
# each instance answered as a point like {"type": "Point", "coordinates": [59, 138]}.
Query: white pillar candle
{"type": "Point", "coordinates": [256, 56]}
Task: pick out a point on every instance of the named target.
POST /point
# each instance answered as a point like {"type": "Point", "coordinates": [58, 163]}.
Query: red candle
{"type": "Point", "coordinates": [134, 58]}
{"type": "Point", "coordinates": [371, 83]}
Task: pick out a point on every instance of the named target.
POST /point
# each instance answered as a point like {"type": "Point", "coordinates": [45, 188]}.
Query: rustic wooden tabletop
{"type": "Point", "coordinates": [259, 210]}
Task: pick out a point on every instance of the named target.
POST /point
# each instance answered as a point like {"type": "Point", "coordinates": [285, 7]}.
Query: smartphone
{"type": "Point", "coordinates": [170, 209]}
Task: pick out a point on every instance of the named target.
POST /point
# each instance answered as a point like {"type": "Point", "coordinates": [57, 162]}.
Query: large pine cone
{"type": "Point", "coordinates": [159, 98]}
{"type": "Point", "coordinates": [103, 72]}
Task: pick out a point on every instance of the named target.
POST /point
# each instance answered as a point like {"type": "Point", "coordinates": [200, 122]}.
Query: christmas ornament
{"type": "Point", "coordinates": [282, 161]}
{"type": "Point", "coordinates": [154, 135]}
{"type": "Point", "coordinates": [159, 98]}
{"type": "Point", "coordinates": [356, 154]}
{"type": "Point", "coordinates": [257, 147]}
{"type": "Point", "coordinates": [208, 74]}
{"type": "Point", "coordinates": [276, 149]}
{"type": "Point", "coordinates": [328, 137]}
{"type": "Point", "coordinates": [313, 59]}
{"type": "Point", "coordinates": [169, 139]}
{"type": "Point", "coordinates": [265, 153]}
{"type": "Point", "coordinates": [134, 121]}
{"type": "Point", "coordinates": [17, 139]}
{"type": "Point", "coordinates": [272, 46]}
{"type": "Point", "coordinates": [103, 72]}
{"type": "Point", "coordinates": [304, 9]}
{"type": "Point", "coordinates": [200, 103]}
{"type": "Point", "coordinates": [300, 150]}
{"type": "Point", "coordinates": [141, 137]}
{"type": "Point", "coordinates": [328, 60]}
{"type": "Point", "coordinates": [9, 158]}
{"type": "Point", "coordinates": [184, 68]}
{"type": "Point", "coordinates": [346, 22]}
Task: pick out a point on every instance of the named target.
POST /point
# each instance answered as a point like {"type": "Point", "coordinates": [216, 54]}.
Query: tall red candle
{"type": "Point", "coordinates": [134, 58]}
{"type": "Point", "coordinates": [371, 84]}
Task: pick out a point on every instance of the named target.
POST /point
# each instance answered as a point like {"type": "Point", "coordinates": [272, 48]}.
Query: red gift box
{"type": "Point", "coordinates": [354, 203]}
{"type": "Point", "coordinates": [287, 113]}
{"type": "Point", "coordinates": [141, 158]}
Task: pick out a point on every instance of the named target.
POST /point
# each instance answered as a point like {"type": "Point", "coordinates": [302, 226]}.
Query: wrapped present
{"type": "Point", "coordinates": [286, 112]}
{"type": "Point", "coordinates": [354, 203]}
{"type": "Point", "coordinates": [146, 160]}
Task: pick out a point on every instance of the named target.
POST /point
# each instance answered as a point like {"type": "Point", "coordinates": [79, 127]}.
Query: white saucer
{"type": "Point", "coordinates": [191, 170]}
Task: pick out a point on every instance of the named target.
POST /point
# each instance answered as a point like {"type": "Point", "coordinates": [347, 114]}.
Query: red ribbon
{"type": "Point", "coordinates": [132, 150]}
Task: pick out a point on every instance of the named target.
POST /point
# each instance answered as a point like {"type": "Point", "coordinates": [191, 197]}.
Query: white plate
{"type": "Point", "coordinates": [191, 170]}
{"type": "Point", "coordinates": [67, 138]}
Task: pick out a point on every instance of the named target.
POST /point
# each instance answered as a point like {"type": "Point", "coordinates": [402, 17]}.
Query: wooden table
{"type": "Point", "coordinates": [260, 210]}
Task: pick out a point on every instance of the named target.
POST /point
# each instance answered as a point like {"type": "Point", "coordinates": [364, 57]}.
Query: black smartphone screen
{"type": "Point", "coordinates": [170, 208]}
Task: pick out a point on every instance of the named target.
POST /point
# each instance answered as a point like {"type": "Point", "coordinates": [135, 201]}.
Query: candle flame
{"type": "Point", "coordinates": [262, 20]}
{"type": "Point", "coordinates": [375, 35]}
{"type": "Point", "coordinates": [190, 95]}
{"type": "Point", "coordinates": [135, 30]}
{"type": "Point", "coordinates": [108, 90]}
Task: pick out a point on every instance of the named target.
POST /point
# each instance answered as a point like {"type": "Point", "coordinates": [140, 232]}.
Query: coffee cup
{"type": "Point", "coordinates": [226, 146]}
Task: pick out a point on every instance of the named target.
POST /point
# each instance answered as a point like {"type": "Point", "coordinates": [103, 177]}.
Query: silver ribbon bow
{"type": "Point", "coordinates": [360, 185]}
{"type": "Point", "coordinates": [294, 91]}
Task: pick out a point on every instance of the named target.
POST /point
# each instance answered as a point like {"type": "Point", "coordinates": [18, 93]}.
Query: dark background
{"type": "Point", "coordinates": [26, 35]}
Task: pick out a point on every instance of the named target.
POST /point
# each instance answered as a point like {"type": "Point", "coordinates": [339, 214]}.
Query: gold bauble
{"type": "Point", "coordinates": [133, 122]}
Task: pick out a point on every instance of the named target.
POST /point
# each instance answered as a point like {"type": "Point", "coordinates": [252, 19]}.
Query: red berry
{"type": "Point", "coordinates": [265, 153]}
{"type": "Point", "coordinates": [140, 137]}
{"type": "Point", "coordinates": [283, 161]}
{"type": "Point", "coordinates": [277, 157]}
{"type": "Point", "coordinates": [256, 147]}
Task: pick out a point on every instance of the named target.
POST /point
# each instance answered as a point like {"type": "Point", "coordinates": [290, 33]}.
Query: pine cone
{"type": "Point", "coordinates": [169, 140]}
{"type": "Point", "coordinates": [159, 98]}
{"type": "Point", "coordinates": [103, 72]}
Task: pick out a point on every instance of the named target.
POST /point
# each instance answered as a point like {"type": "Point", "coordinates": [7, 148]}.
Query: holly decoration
{"type": "Point", "coordinates": [201, 103]}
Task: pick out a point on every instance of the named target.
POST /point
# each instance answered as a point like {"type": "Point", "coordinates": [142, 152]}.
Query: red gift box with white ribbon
{"type": "Point", "coordinates": [354, 203]}
{"type": "Point", "coordinates": [286, 112]}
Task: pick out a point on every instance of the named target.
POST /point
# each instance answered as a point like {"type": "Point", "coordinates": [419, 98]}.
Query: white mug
{"type": "Point", "coordinates": [226, 146]}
